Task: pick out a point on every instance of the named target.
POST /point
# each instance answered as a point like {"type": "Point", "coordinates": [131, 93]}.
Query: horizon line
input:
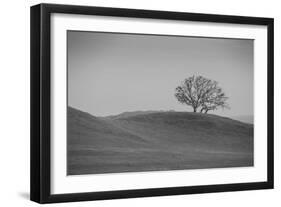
{"type": "Point", "coordinates": [159, 110]}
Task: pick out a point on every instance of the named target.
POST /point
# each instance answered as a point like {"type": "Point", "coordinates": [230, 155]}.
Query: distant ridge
{"type": "Point", "coordinates": [244, 118]}
{"type": "Point", "coordinates": [134, 113]}
{"type": "Point", "coordinates": [155, 140]}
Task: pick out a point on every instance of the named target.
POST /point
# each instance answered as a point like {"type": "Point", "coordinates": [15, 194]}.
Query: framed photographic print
{"type": "Point", "coordinates": [133, 103]}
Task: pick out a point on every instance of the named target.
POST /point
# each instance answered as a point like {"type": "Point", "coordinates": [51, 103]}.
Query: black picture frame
{"type": "Point", "coordinates": [40, 184]}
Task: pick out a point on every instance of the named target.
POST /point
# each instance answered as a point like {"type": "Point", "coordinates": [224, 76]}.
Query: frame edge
{"type": "Point", "coordinates": [35, 25]}
{"type": "Point", "coordinates": [270, 102]}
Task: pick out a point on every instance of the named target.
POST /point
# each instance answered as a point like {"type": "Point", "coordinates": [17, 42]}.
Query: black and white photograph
{"type": "Point", "coordinates": [131, 103]}
{"type": "Point", "coordinates": [148, 102]}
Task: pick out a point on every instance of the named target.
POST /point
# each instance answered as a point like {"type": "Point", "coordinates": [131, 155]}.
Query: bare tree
{"type": "Point", "coordinates": [201, 94]}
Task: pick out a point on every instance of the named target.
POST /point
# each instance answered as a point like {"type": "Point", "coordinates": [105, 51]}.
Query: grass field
{"type": "Point", "coordinates": [134, 142]}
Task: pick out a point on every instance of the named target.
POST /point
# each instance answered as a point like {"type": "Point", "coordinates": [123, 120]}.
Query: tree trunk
{"type": "Point", "coordinates": [194, 109]}
{"type": "Point", "coordinates": [206, 111]}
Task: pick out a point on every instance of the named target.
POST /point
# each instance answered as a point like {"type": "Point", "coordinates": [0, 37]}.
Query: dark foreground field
{"type": "Point", "coordinates": [150, 141]}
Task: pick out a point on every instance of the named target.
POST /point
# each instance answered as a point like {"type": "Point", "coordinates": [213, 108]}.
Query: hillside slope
{"type": "Point", "coordinates": [156, 141]}
{"type": "Point", "coordinates": [244, 118]}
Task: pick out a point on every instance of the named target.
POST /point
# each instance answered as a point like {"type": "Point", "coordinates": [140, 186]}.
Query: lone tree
{"type": "Point", "coordinates": [201, 94]}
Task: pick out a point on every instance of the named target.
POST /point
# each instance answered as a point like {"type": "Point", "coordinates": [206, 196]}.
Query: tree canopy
{"type": "Point", "coordinates": [201, 94]}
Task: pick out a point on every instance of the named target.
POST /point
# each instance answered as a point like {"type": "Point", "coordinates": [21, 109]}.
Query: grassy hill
{"type": "Point", "coordinates": [151, 141]}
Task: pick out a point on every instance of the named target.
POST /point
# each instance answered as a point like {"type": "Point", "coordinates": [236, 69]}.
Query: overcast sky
{"type": "Point", "coordinates": [112, 73]}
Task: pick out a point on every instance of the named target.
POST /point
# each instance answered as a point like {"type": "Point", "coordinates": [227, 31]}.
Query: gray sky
{"type": "Point", "coordinates": [112, 73]}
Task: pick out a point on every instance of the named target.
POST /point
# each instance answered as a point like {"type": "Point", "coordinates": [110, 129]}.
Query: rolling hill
{"type": "Point", "coordinates": [133, 142]}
